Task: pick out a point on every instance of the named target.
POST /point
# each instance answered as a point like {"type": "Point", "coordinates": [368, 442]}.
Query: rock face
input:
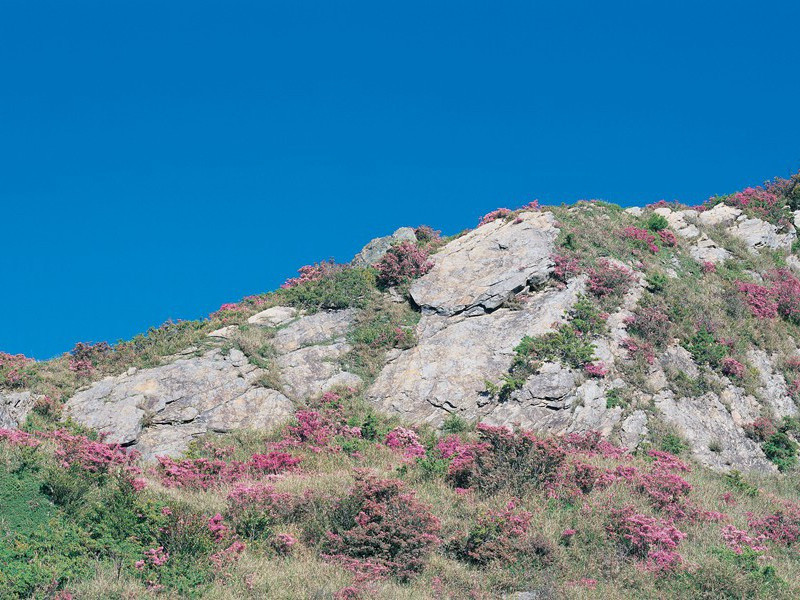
{"type": "Point", "coordinates": [375, 249]}
{"type": "Point", "coordinates": [447, 370]}
{"type": "Point", "coordinates": [715, 439]}
{"type": "Point", "coordinates": [14, 407]}
{"type": "Point", "coordinates": [159, 410]}
{"type": "Point", "coordinates": [479, 271]}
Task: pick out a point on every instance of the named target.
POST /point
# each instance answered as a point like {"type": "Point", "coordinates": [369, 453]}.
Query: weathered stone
{"type": "Point", "coordinates": [721, 214]}
{"type": "Point", "coordinates": [224, 333]}
{"type": "Point", "coordinates": [681, 222]}
{"type": "Point", "coordinates": [190, 396]}
{"type": "Point", "coordinates": [479, 271]}
{"type": "Point", "coordinates": [14, 408]}
{"type": "Point", "coordinates": [760, 234]}
{"type": "Point", "coordinates": [447, 370]}
{"type": "Point", "coordinates": [634, 430]}
{"type": "Point", "coordinates": [374, 251]}
{"type": "Point", "coordinates": [773, 387]}
{"type": "Point", "coordinates": [310, 330]}
{"type": "Point", "coordinates": [677, 359]}
{"type": "Point", "coordinates": [274, 316]}
{"type": "Point", "coordinates": [312, 370]}
{"type": "Point", "coordinates": [706, 250]}
{"type": "Point", "coordinates": [705, 422]}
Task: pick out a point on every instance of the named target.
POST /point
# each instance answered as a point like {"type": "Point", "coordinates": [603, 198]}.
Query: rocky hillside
{"type": "Point", "coordinates": [663, 328]}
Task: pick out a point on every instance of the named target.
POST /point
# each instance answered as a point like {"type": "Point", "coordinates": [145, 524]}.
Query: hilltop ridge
{"type": "Point", "coordinates": [622, 336]}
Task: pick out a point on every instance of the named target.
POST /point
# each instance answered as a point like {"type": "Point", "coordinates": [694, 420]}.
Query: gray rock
{"type": "Point", "coordinates": [179, 401]}
{"type": "Point", "coordinates": [773, 386]}
{"type": "Point", "coordinates": [706, 250]}
{"type": "Point", "coordinates": [681, 221]}
{"type": "Point", "coordinates": [634, 430]}
{"type": "Point", "coordinates": [224, 333]}
{"type": "Point", "coordinates": [704, 421]}
{"type": "Point", "coordinates": [677, 359]}
{"type": "Point", "coordinates": [14, 408]}
{"type": "Point", "coordinates": [721, 214]}
{"type": "Point", "coordinates": [760, 234]}
{"type": "Point", "coordinates": [374, 251]}
{"type": "Point", "coordinates": [274, 316]}
{"type": "Point", "coordinates": [447, 370]}
{"type": "Point", "coordinates": [312, 370]}
{"type": "Point", "coordinates": [479, 271]}
{"type": "Point", "coordinates": [319, 328]}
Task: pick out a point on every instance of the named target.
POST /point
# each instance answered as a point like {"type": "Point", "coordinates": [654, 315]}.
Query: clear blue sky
{"type": "Point", "coordinates": [160, 158]}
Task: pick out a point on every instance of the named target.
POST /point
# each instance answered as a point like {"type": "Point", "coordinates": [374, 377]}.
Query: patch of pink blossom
{"type": "Point", "coordinates": [609, 279]}
{"type": "Point", "coordinates": [402, 263]}
{"type": "Point", "coordinates": [738, 540]}
{"type": "Point", "coordinates": [732, 368]}
{"type": "Point", "coordinates": [595, 369]}
{"type": "Point", "coordinates": [642, 236]}
{"type": "Point", "coordinates": [499, 213]}
{"type": "Point", "coordinates": [405, 441]}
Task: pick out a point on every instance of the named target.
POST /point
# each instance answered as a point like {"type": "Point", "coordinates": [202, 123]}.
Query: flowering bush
{"type": "Point", "coordinates": [642, 237]}
{"type": "Point", "coordinates": [402, 263]}
{"type": "Point", "coordinates": [595, 369]}
{"type": "Point", "coordinates": [565, 267]}
{"type": "Point", "coordinates": [405, 441]}
{"type": "Point", "coordinates": [758, 202]}
{"type": "Point", "coordinates": [609, 280]}
{"type": "Point", "coordinates": [668, 238]}
{"type": "Point", "coordinates": [314, 272]}
{"type": "Point", "coordinates": [652, 324]}
{"type": "Point", "coordinates": [254, 508]}
{"type": "Point", "coordinates": [381, 524]}
{"type": "Point", "coordinates": [732, 368]}
{"type": "Point", "coordinates": [639, 349]}
{"type": "Point", "coordinates": [708, 267]}
{"type": "Point", "coordinates": [500, 536]}
{"type": "Point", "coordinates": [781, 297]}
{"type": "Point", "coordinates": [499, 213]}
{"type": "Point", "coordinates": [204, 473]}
{"type": "Point", "coordinates": [781, 527]}
{"type": "Point", "coordinates": [738, 540]}
{"type": "Point", "coordinates": [14, 369]}
{"type": "Point", "coordinates": [647, 539]}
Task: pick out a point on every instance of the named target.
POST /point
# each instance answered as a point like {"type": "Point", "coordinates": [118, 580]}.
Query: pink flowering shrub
{"type": "Point", "coordinates": [381, 524]}
{"type": "Point", "coordinates": [638, 349]}
{"type": "Point", "coordinates": [85, 356]}
{"type": "Point", "coordinates": [314, 272]}
{"type": "Point", "coordinates": [652, 324]}
{"type": "Point", "coordinates": [204, 473]}
{"type": "Point", "coordinates": [668, 238]}
{"type": "Point", "coordinates": [499, 213]}
{"type": "Point", "coordinates": [15, 437]}
{"type": "Point", "coordinates": [758, 202]}
{"type": "Point", "coordinates": [401, 264]}
{"type": "Point", "coordinates": [223, 559]}
{"type": "Point", "coordinates": [739, 541]}
{"type": "Point", "coordinates": [780, 297]}
{"type": "Point", "coordinates": [781, 527]}
{"type": "Point", "coordinates": [708, 267]}
{"type": "Point", "coordinates": [14, 369]}
{"type": "Point", "coordinates": [283, 543]}
{"type": "Point", "coordinates": [499, 536]}
{"type": "Point", "coordinates": [89, 456]}
{"type": "Point", "coordinates": [609, 280]}
{"type": "Point", "coordinates": [649, 540]}
{"type": "Point", "coordinates": [732, 368]}
{"type": "Point", "coordinates": [405, 441]}
{"type": "Point", "coordinates": [595, 369]}
{"type": "Point", "coordinates": [565, 267]}
{"type": "Point", "coordinates": [255, 508]}
{"type": "Point", "coordinates": [761, 429]}
{"type": "Point", "coordinates": [642, 237]}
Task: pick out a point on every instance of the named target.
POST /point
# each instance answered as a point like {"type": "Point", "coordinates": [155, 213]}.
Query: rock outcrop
{"type": "Point", "coordinates": [160, 410]}
{"type": "Point", "coordinates": [14, 408]}
{"type": "Point", "coordinates": [477, 272]}
{"type": "Point", "coordinates": [375, 249]}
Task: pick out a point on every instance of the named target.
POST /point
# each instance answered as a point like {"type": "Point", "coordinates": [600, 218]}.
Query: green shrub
{"type": "Point", "coordinates": [454, 423]}
{"type": "Point", "coordinates": [656, 282]}
{"type": "Point", "coordinates": [705, 349]}
{"type": "Point", "coordinates": [673, 443]}
{"type": "Point", "coordinates": [781, 450]}
{"type": "Point", "coordinates": [342, 288]}
{"type": "Point", "coordinates": [657, 222]}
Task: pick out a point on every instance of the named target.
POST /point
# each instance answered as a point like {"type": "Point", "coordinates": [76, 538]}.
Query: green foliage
{"type": "Point", "coordinates": [656, 282]}
{"type": "Point", "coordinates": [673, 443]}
{"type": "Point", "coordinates": [781, 450]}
{"type": "Point", "coordinates": [735, 480]}
{"type": "Point", "coordinates": [454, 423]}
{"type": "Point", "coordinates": [342, 288]}
{"type": "Point", "coordinates": [705, 349]}
{"type": "Point", "coordinates": [657, 222]}
{"type": "Point", "coordinates": [615, 398]}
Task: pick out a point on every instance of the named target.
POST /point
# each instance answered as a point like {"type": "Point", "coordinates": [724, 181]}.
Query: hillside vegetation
{"type": "Point", "coordinates": [666, 309]}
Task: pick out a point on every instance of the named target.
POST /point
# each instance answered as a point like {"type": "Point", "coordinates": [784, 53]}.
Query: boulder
{"type": "Point", "coordinates": [274, 316]}
{"type": "Point", "coordinates": [721, 214]}
{"type": "Point", "coordinates": [706, 250]}
{"type": "Point", "coordinates": [760, 234]}
{"type": "Point", "coordinates": [14, 408]}
{"type": "Point", "coordinates": [448, 368]}
{"type": "Point", "coordinates": [180, 400]}
{"type": "Point", "coordinates": [478, 272]}
{"type": "Point", "coordinates": [374, 251]}
{"type": "Point", "coordinates": [705, 423]}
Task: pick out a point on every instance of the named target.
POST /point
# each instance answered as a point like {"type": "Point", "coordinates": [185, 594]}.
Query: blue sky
{"type": "Point", "coordinates": [160, 158]}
